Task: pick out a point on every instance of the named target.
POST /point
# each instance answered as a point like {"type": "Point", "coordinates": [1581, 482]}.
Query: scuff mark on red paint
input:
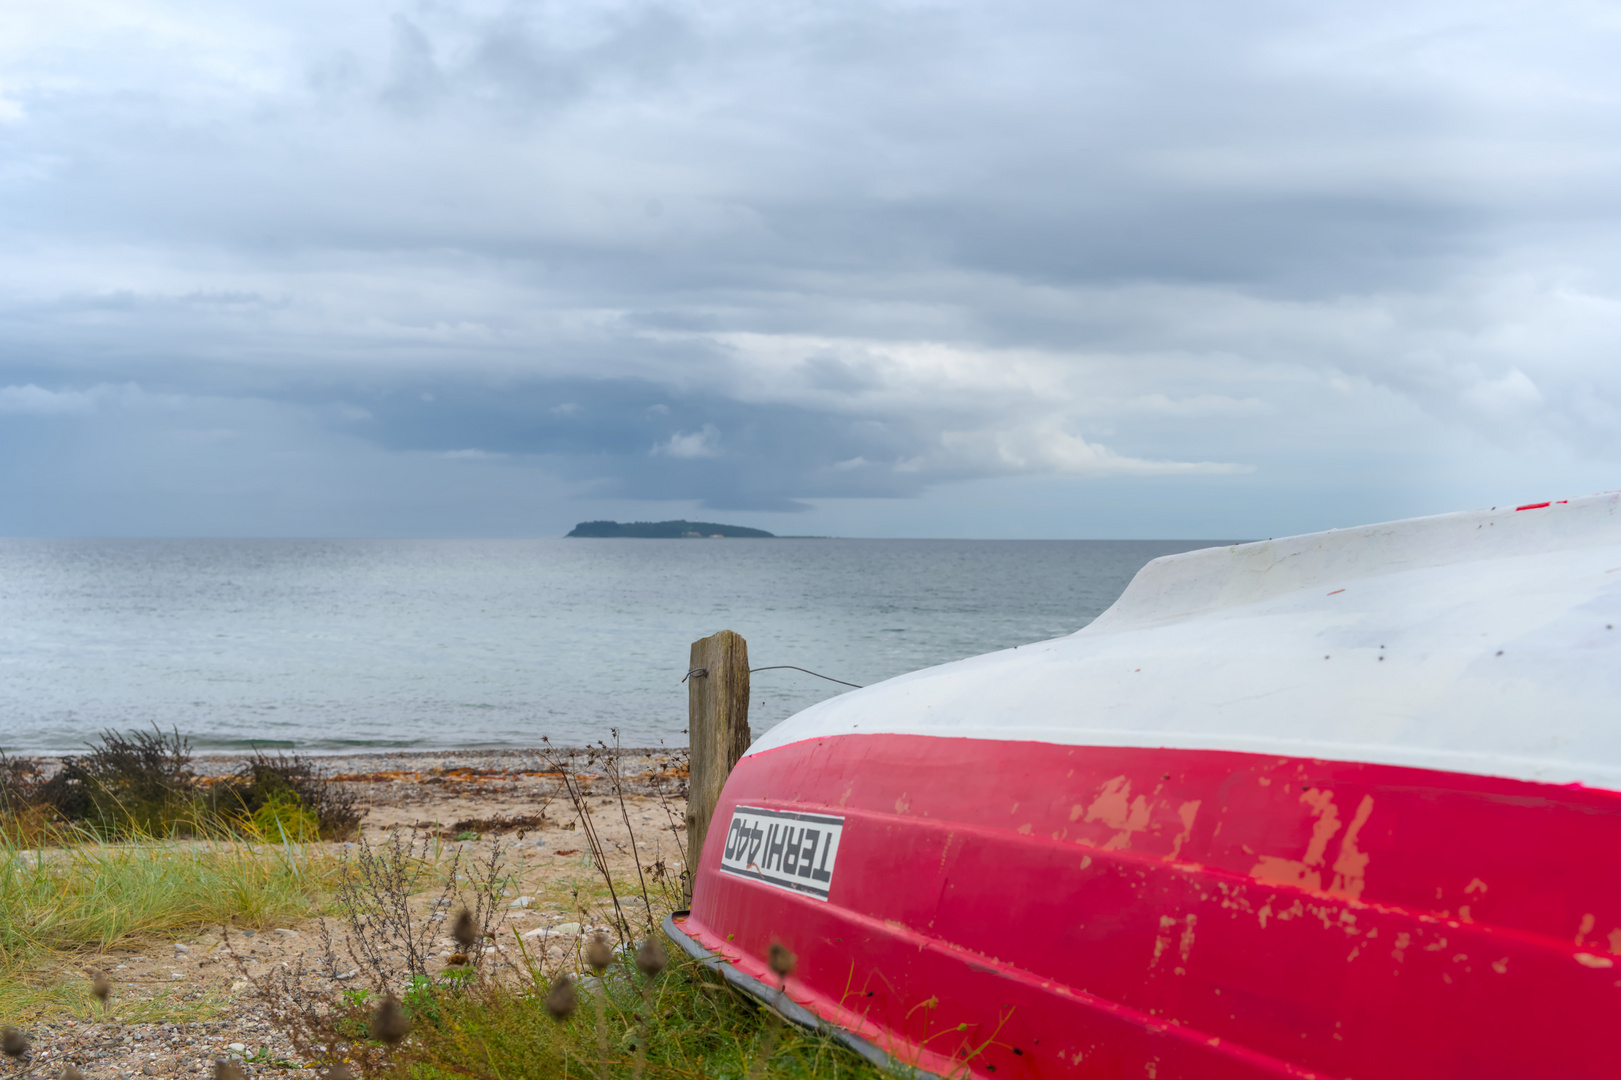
{"type": "Point", "coordinates": [1305, 872]}
{"type": "Point", "coordinates": [1187, 812]}
{"type": "Point", "coordinates": [1352, 865]}
{"type": "Point", "coordinates": [1116, 809]}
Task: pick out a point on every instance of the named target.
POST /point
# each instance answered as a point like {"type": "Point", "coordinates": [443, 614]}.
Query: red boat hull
{"type": "Point", "coordinates": [1027, 910]}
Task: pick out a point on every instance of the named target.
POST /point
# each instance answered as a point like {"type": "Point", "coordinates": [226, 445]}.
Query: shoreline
{"type": "Point", "coordinates": [509, 763]}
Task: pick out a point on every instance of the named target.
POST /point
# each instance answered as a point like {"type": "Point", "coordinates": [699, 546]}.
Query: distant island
{"type": "Point", "coordinates": [667, 530]}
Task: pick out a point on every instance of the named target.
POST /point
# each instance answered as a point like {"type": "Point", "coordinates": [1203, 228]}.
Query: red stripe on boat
{"type": "Point", "coordinates": [1029, 910]}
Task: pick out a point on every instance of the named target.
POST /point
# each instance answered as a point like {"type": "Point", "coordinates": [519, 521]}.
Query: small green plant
{"type": "Point", "coordinates": [284, 817]}
{"type": "Point", "coordinates": [418, 999]}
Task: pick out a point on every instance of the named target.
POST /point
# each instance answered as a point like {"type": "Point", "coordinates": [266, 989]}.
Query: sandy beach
{"type": "Point", "coordinates": [504, 803]}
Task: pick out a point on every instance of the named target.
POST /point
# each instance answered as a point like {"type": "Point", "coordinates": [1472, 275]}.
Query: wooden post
{"type": "Point", "coordinates": [717, 730]}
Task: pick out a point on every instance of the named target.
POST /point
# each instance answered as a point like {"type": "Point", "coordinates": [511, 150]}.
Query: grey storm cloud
{"type": "Point", "coordinates": [757, 256]}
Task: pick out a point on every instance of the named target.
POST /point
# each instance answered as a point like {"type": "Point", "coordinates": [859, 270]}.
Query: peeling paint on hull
{"type": "Point", "coordinates": [1311, 918]}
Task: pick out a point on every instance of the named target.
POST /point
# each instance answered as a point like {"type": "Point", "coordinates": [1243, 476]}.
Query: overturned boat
{"type": "Point", "coordinates": [1342, 805]}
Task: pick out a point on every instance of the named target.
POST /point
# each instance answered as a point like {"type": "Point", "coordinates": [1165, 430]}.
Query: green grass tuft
{"type": "Point", "coordinates": [683, 1023]}
{"type": "Point", "coordinates": [83, 895]}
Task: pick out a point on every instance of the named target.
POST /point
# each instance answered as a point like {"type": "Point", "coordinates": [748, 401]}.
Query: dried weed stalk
{"type": "Point", "coordinates": [385, 934]}
{"type": "Point", "coordinates": [389, 932]}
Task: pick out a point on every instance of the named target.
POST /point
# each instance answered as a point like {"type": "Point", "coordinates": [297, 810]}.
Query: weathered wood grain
{"type": "Point", "coordinates": [717, 729]}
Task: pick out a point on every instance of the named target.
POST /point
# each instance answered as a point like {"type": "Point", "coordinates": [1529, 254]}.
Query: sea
{"type": "Point", "coordinates": [347, 645]}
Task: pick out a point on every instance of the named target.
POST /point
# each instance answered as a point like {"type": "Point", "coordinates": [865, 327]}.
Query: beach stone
{"type": "Point", "coordinates": [522, 902]}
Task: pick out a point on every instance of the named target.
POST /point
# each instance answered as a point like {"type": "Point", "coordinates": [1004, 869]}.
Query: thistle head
{"type": "Point", "coordinates": [561, 1000]}
{"type": "Point", "coordinates": [651, 958]}
{"type": "Point", "coordinates": [464, 930]}
{"type": "Point", "coordinates": [599, 954]}
{"type": "Point", "coordinates": [13, 1042]}
{"type": "Point", "coordinates": [781, 959]}
{"type": "Point", "coordinates": [389, 1024]}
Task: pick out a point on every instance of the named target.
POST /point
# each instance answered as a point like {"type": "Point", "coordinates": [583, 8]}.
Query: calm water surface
{"type": "Point", "coordinates": [337, 644]}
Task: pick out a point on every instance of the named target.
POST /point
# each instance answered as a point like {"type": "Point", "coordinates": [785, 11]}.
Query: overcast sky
{"type": "Point", "coordinates": [925, 269]}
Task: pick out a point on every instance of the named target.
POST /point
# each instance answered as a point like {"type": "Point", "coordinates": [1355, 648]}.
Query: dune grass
{"type": "Point", "coordinates": [82, 895]}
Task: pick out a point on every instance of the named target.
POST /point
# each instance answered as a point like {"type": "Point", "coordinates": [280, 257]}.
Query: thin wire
{"type": "Point", "coordinates": [808, 671]}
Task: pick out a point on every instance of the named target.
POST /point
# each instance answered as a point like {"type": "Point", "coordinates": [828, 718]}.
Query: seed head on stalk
{"type": "Point", "coordinates": [389, 1024]}
{"type": "Point", "coordinates": [101, 986]}
{"type": "Point", "coordinates": [561, 1000]}
{"type": "Point", "coordinates": [13, 1042]}
{"type": "Point", "coordinates": [465, 930]}
{"type": "Point", "coordinates": [782, 960]}
{"type": "Point", "coordinates": [651, 958]}
{"type": "Point", "coordinates": [599, 954]}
